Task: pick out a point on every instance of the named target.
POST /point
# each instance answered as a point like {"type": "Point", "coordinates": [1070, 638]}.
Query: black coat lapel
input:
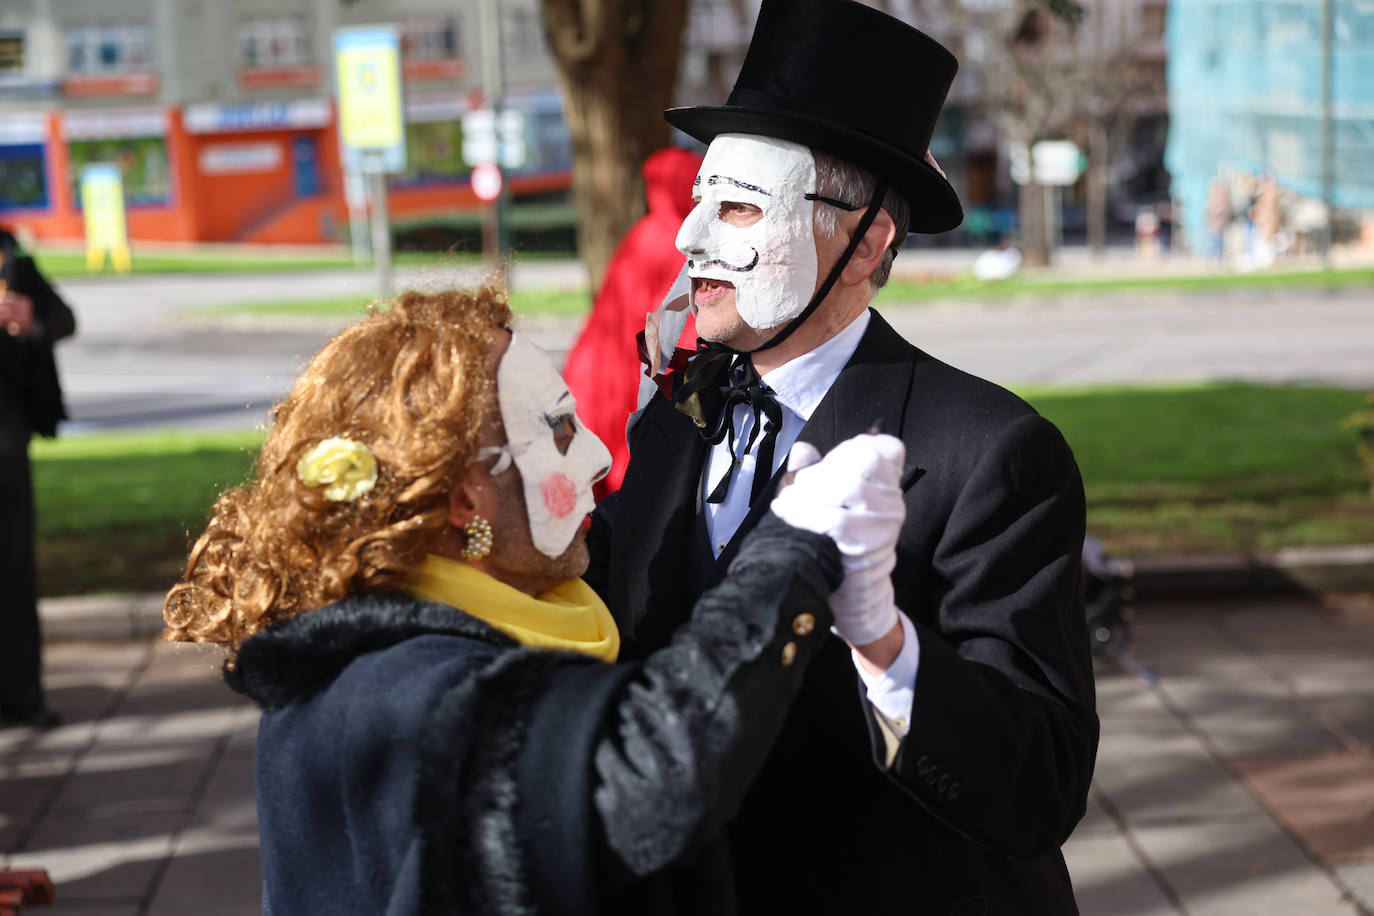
{"type": "Point", "coordinates": [650, 594]}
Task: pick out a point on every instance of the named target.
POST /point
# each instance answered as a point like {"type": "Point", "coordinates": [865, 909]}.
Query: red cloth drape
{"type": "Point", "coordinates": [603, 368]}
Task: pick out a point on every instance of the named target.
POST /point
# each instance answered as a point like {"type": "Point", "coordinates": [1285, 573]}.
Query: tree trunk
{"type": "Point", "coordinates": [617, 63]}
{"type": "Point", "coordinates": [1099, 167]}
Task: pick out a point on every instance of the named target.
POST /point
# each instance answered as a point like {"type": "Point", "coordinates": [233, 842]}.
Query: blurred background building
{"type": "Point", "coordinates": [1246, 137]}
{"type": "Point", "coordinates": [220, 113]}
{"type": "Point", "coordinates": [221, 118]}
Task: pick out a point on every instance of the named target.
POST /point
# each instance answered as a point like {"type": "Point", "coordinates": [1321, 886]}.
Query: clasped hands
{"type": "Point", "coordinates": [16, 313]}
{"type": "Point", "coordinates": [854, 495]}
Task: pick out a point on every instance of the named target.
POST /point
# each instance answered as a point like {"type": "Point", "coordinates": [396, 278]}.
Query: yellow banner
{"type": "Point", "coordinates": [102, 203]}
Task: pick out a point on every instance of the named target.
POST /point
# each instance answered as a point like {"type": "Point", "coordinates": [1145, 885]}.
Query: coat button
{"type": "Point", "coordinates": [803, 624]}
{"type": "Point", "coordinates": [953, 792]}
{"type": "Point", "coordinates": [789, 654]}
{"type": "Point", "coordinates": [933, 775]}
{"type": "Point", "coordinates": [943, 784]}
{"type": "Point", "coordinates": [922, 765]}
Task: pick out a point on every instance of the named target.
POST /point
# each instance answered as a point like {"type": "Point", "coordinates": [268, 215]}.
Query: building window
{"type": "Point", "coordinates": [23, 181]}
{"type": "Point", "coordinates": [142, 163]}
{"type": "Point", "coordinates": [435, 39]}
{"type": "Point", "coordinates": [275, 43]}
{"type": "Point", "coordinates": [11, 54]}
{"type": "Point", "coordinates": [97, 49]}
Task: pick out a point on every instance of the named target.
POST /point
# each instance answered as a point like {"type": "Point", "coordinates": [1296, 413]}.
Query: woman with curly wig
{"type": "Point", "coordinates": [444, 725]}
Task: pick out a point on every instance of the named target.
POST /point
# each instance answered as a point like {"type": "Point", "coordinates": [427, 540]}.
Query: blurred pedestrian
{"type": "Point", "coordinates": [32, 317]}
{"type": "Point", "coordinates": [603, 366]}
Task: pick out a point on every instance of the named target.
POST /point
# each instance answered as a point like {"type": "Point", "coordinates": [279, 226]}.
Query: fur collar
{"type": "Point", "coordinates": [297, 658]}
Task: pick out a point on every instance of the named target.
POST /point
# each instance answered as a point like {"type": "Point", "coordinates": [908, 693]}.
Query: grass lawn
{"type": "Point", "coordinates": [965, 286]}
{"type": "Point", "coordinates": [1167, 469]}
{"type": "Point", "coordinates": [63, 263]}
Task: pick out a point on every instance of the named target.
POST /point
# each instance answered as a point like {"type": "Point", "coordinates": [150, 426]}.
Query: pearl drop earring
{"type": "Point", "coordinates": [478, 534]}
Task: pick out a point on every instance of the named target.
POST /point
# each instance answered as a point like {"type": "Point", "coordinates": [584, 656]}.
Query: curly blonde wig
{"type": "Point", "coordinates": [413, 382]}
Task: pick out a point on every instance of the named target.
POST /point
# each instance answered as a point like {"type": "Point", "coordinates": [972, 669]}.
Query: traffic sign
{"type": "Point", "coordinates": [486, 181]}
{"type": "Point", "coordinates": [1057, 162]}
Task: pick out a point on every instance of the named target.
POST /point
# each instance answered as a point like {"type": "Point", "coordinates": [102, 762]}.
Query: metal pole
{"type": "Point", "coordinates": [493, 85]}
{"type": "Point", "coordinates": [381, 234]}
{"type": "Point", "coordinates": [1327, 128]}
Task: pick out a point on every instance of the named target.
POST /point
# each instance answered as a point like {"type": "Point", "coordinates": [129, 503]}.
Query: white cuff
{"type": "Point", "coordinates": [892, 692]}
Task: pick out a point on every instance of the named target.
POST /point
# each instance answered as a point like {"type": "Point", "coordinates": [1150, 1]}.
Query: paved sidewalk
{"type": "Point", "coordinates": [1240, 781]}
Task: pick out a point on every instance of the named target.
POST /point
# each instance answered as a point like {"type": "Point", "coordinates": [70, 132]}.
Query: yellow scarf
{"type": "Point", "coordinates": [570, 617]}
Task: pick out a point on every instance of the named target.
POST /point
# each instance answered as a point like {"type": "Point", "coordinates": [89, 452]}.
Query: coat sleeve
{"type": "Point", "coordinates": [1003, 730]}
{"type": "Point", "coordinates": [53, 314]}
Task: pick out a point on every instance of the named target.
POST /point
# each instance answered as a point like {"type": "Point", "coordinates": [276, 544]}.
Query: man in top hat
{"type": "Point", "coordinates": [941, 748]}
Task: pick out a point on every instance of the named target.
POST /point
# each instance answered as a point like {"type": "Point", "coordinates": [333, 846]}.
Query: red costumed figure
{"type": "Point", "coordinates": [603, 368]}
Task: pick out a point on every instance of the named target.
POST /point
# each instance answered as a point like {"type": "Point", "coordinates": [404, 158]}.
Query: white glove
{"type": "Point", "coordinates": [853, 494]}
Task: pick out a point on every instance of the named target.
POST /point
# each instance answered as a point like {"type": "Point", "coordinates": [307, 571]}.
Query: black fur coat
{"type": "Point", "coordinates": [412, 759]}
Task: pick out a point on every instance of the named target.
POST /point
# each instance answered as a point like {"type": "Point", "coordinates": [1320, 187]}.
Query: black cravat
{"type": "Point", "coordinates": [717, 398]}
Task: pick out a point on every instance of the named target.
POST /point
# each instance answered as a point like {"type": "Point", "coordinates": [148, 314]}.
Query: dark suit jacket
{"type": "Point", "coordinates": [30, 394]}
{"type": "Point", "coordinates": [993, 775]}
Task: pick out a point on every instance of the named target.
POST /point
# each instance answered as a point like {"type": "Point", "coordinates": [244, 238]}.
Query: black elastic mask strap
{"type": "Point", "coordinates": [875, 203]}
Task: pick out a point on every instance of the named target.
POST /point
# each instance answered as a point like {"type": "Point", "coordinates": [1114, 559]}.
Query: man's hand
{"type": "Point", "coordinates": [16, 313]}
{"type": "Point", "coordinates": [854, 494]}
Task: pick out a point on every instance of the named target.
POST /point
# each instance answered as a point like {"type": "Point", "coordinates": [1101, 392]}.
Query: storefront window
{"type": "Point", "coordinates": [434, 152]}
{"type": "Point", "coordinates": [23, 180]}
{"type": "Point", "coordinates": [142, 161]}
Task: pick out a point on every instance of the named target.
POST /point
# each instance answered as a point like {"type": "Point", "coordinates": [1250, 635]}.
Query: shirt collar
{"type": "Point", "coordinates": [800, 383]}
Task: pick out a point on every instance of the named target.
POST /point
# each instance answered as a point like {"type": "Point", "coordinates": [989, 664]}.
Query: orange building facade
{"type": "Point", "coordinates": [260, 172]}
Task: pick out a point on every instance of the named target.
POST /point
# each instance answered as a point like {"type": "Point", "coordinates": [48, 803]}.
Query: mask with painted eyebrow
{"type": "Point", "coordinates": [772, 262]}
{"type": "Point", "coordinates": [557, 485]}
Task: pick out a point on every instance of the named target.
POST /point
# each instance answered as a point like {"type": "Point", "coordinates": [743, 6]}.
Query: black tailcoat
{"type": "Point", "coordinates": [969, 816]}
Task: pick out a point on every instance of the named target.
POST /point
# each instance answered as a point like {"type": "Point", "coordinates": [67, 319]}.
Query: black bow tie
{"type": "Point", "coordinates": [716, 381]}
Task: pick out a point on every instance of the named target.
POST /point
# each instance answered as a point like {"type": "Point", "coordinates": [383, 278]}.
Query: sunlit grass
{"type": "Point", "coordinates": [1198, 468]}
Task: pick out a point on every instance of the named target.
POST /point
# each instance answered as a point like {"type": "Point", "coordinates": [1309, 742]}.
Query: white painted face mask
{"type": "Point", "coordinates": [771, 263]}
{"type": "Point", "coordinates": [535, 406]}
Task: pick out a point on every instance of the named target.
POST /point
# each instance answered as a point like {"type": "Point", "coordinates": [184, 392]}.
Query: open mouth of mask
{"type": "Point", "coordinates": [770, 262]}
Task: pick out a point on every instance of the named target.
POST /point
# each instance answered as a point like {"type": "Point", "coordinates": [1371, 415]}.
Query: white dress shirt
{"type": "Point", "coordinates": [799, 385]}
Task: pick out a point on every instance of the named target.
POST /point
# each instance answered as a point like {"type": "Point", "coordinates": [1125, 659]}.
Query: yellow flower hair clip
{"type": "Point", "coordinates": [346, 469]}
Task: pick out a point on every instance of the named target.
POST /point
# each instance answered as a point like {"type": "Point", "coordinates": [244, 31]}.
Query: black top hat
{"type": "Point", "coordinates": [850, 81]}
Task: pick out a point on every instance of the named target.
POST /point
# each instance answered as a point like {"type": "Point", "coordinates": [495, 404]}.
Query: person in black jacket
{"type": "Point", "coordinates": [32, 318]}
{"type": "Point", "coordinates": [941, 748]}
{"type": "Point", "coordinates": [445, 728]}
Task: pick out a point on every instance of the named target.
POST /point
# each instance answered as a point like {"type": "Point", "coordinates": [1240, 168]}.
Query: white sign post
{"type": "Point", "coordinates": [1057, 164]}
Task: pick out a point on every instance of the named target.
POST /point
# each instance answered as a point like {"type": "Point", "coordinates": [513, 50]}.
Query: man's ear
{"type": "Point", "coordinates": [869, 253]}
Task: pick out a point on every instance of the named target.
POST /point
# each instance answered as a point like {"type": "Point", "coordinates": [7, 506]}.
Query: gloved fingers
{"type": "Point", "coordinates": [800, 507]}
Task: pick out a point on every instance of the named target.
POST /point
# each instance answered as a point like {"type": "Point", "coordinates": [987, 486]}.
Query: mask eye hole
{"type": "Point", "coordinates": [739, 213]}
{"type": "Point", "coordinates": [564, 428]}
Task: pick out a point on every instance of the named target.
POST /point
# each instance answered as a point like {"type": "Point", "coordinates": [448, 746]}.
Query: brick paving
{"type": "Point", "coordinates": [1235, 774]}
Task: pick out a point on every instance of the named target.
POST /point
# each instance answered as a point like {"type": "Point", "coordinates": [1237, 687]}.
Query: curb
{"type": "Point", "coordinates": [1293, 570]}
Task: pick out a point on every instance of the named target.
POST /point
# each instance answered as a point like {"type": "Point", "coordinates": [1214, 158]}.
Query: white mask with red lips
{"type": "Point", "coordinates": [535, 403]}
{"type": "Point", "coordinates": [772, 263]}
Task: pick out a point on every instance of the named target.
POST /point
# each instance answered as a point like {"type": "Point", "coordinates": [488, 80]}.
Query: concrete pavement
{"type": "Point", "coordinates": [1235, 774]}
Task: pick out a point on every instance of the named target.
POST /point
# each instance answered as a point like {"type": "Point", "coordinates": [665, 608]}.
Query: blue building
{"type": "Point", "coordinates": [1245, 99]}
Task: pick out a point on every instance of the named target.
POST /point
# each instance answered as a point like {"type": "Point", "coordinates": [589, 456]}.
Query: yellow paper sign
{"type": "Point", "coordinates": [370, 115]}
{"type": "Point", "coordinates": [102, 203]}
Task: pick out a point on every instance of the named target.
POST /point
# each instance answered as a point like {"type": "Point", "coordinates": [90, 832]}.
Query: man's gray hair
{"type": "Point", "coordinates": [844, 181]}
